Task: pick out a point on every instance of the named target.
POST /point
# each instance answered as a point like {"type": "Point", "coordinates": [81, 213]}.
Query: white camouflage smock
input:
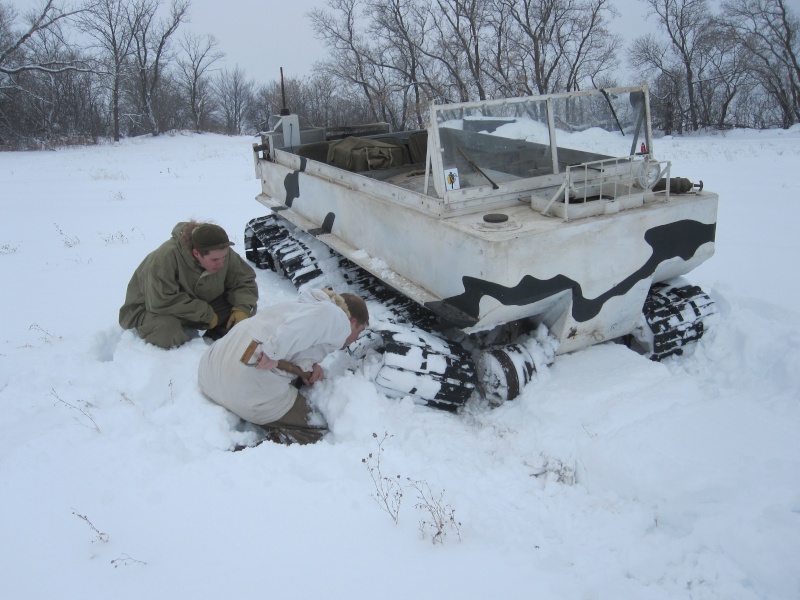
{"type": "Point", "coordinates": [302, 332]}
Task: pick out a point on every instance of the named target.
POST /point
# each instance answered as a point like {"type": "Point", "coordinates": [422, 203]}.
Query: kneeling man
{"type": "Point", "coordinates": [288, 338]}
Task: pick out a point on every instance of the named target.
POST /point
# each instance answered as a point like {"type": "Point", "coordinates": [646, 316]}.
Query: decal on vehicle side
{"type": "Point", "coordinates": [291, 183]}
{"type": "Point", "coordinates": [680, 239]}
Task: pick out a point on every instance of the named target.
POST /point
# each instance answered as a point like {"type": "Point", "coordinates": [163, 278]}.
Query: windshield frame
{"type": "Point", "coordinates": [543, 120]}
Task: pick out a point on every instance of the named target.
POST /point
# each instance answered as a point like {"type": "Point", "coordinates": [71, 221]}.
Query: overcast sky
{"type": "Point", "coordinates": [261, 36]}
{"type": "Point", "coordinates": [264, 35]}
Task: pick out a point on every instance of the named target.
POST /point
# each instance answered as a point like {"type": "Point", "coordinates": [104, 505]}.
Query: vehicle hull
{"type": "Point", "coordinates": [585, 279]}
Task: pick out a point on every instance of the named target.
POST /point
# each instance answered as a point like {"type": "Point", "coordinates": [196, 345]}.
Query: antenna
{"type": "Point", "coordinates": [285, 110]}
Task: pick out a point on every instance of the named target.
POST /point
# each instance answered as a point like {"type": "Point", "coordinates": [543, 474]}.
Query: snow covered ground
{"type": "Point", "coordinates": [610, 477]}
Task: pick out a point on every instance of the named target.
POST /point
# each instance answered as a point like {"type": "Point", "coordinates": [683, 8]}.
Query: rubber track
{"type": "Point", "coordinates": [270, 246]}
{"type": "Point", "coordinates": [676, 317]}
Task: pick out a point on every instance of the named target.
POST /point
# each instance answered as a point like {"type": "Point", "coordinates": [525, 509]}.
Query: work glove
{"type": "Point", "coordinates": [214, 321]}
{"type": "Point", "coordinates": [237, 314]}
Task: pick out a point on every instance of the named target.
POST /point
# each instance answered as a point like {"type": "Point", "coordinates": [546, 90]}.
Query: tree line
{"type": "Point", "coordinates": [115, 68]}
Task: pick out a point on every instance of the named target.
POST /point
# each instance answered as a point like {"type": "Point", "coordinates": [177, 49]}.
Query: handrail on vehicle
{"type": "Point", "coordinates": [624, 174]}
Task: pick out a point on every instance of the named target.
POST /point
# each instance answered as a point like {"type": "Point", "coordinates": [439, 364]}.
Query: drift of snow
{"type": "Point", "coordinates": [610, 477]}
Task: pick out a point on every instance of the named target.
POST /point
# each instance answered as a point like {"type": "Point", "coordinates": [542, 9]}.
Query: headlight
{"type": "Point", "coordinates": [648, 174]}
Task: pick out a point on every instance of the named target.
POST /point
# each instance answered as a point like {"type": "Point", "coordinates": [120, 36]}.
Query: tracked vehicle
{"type": "Point", "coordinates": [505, 233]}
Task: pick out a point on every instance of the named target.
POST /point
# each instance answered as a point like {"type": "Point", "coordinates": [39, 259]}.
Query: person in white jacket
{"type": "Point", "coordinates": [299, 334]}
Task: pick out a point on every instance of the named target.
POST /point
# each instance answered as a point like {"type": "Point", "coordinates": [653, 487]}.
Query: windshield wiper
{"type": "Point", "coordinates": [613, 112]}
{"type": "Point", "coordinates": [477, 168]}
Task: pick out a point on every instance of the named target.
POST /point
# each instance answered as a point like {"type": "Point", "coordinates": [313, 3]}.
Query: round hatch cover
{"type": "Point", "coordinates": [495, 218]}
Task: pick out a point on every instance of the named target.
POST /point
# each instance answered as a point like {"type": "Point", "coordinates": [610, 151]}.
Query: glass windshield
{"type": "Point", "coordinates": [497, 142]}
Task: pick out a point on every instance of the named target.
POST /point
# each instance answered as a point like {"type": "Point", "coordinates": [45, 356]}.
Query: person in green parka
{"type": "Point", "coordinates": [192, 281]}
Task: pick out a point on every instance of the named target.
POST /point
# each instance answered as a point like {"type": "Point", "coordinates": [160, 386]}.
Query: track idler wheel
{"type": "Point", "coordinates": [504, 370]}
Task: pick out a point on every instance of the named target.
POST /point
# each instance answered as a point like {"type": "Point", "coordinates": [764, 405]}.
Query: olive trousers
{"type": "Point", "coordinates": [294, 427]}
{"type": "Point", "coordinates": [166, 331]}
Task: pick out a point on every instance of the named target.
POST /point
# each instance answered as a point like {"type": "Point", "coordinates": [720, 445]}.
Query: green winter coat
{"type": "Point", "coordinates": [171, 282]}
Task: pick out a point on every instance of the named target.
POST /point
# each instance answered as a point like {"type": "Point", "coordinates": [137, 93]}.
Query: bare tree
{"type": "Point", "coordinates": [326, 105]}
{"type": "Point", "coordinates": [652, 59]}
{"type": "Point", "coordinates": [200, 55]}
{"type": "Point", "coordinates": [534, 29]}
{"type": "Point", "coordinates": [338, 28]}
{"type": "Point", "coordinates": [450, 48]}
{"type": "Point", "coordinates": [461, 29]}
{"type": "Point", "coordinates": [267, 101]}
{"type": "Point", "coordinates": [726, 77]}
{"type": "Point", "coordinates": [292, 94]}
{"type": "Point", "coordinates": [151, 43]}
{"type": "Point", "coordinates": [322, 101]}
{"type": "Point", "coordinates": [770, 32]}
{"type": "Point", "coordinates": [591, 51]}
{"type": "Point", "coordinates": [400, 27]}
{"type": "Point", "coordinates": [110, 24]}
{"type": "Point", "coordinates": [377, 54]}
{"type": "Point", "coordinates": [505, 62]}
{"type": "Point", "coordinates": [13, 45]}
{"type": "Point", "coordinates": [687, 25]}
{"type": "Point", "coordinates": [562, 44]}
{"type": "Point", "coordinates": [46, 85]}
{"type": "Point", "coordinates": [236, 99]}
{"type": "Point", "coordinates": [401, 54]}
